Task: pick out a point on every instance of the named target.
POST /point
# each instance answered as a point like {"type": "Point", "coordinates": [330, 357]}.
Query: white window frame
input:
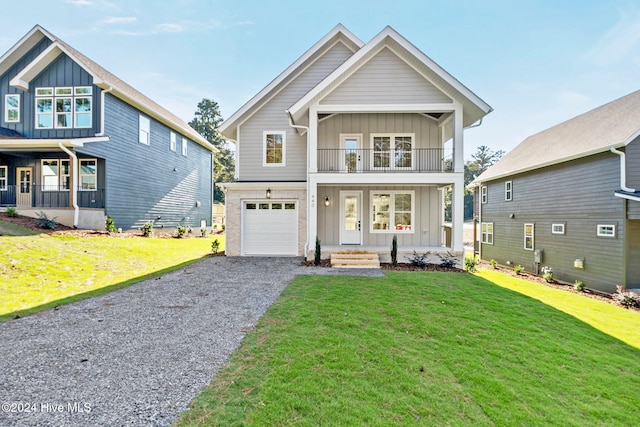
{"type": "Point", "coordinates": [70, 93]}
{"type": "Point", "coordinates": [184, 146]}
{"type": "Point", "coordinates": [80, 175]}
{"type": "Point", "coordinates": [484, 194]}
{"type": "Point", "coordinates": [4, 178]}
{"type": "Point", "coordinates": [283, 134]}
{"type": "Point", "coordinates": [487, 236]}
{"type": "Point", "coordinates": [392, 212]}
{"type": "Point", "coordinates": [606, 230]}
{"type": "Point", "coordinates": [531, 237]}
{"type": "Point", "coordinates": [558, 228]}
{"type": "Point", "coordinates": [44, 93]}
{"type": "Point", "coordinates": [508, 191]}
{"type": "Point", "coordinates": [44, 185]}
{"type": "Point", "coordinates": [8, 109]}
{"type": "Point", "coordinates": [144, 129]}
{"type": "Point", "coordinates": [392, 150]}
{"type": "Point", "coordinates": [82, 92]}
{"type": "Point", "coordinates": [173, 141]}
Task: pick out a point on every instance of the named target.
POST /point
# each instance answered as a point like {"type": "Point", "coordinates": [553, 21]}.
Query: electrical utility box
{"type": "Point", "coordinates": [537, 256]}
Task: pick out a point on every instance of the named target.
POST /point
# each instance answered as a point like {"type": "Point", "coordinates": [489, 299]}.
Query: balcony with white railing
{"type": "Point", "coordinates": [423, 160]}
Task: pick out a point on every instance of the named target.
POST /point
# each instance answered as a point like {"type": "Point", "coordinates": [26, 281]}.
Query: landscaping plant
{"type": "Point", "coordinates": [110, 225]}
{"type": "Point", "coordinates": [518, 269]}
{"type": "Point", "coordinates": [147, 229]}
{"type": "Point", "coordinates": [44, 221]}
{"type": "Point", "coordinates": [470, 264]}
{"type": "Point", "coordinates": [578, 285]}
{"type": "Point", "coordinates": [12, 212]}
{"type": "Point", "coordinates": [626, 298]}
{"type": "Point", "coordinates": [394, 251]}
{"type": "Point", "coordinates": [318, 252]}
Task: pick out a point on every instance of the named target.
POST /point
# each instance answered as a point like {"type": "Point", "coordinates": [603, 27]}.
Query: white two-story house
{"type": "Point", "coordinates": [353, 143]}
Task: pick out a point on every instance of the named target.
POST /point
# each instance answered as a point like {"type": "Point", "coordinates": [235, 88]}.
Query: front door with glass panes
{"type": "Point", "coordinates": [351, 217]}
{"type": "Point", "coordinates": [24, 179]}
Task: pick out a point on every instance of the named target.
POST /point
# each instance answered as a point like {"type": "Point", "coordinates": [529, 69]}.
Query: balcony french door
{"type": "Point", "coordinates": [351, 153]}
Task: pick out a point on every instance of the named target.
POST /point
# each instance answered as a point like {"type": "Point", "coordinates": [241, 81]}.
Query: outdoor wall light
{"type": "Point", "coordinates": [198, 204]}
{"type": "Point", "coordinates": [268, 193]}
{"type": "Point", "coordinates": [327, 201]}
{"type": "Point", "coordinates": [512, 216]}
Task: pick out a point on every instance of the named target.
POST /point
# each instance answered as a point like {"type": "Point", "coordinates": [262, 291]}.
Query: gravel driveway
{"type": "Point", "coordinates": [139, 355]}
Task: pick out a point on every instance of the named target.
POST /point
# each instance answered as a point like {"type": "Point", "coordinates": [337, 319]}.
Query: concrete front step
{"type": "Point", "coordinates": [355, 260]}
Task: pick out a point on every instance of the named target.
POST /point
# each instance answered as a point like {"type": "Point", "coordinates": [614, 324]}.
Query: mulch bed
{"type": "Point", "coordinates": [388, 266]}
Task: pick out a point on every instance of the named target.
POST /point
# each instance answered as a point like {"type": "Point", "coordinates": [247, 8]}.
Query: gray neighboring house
{"type": "Point", "coordinates": [79, 143]}
{"type": "Point", "coordinates": [569, 197]}
{"type": "Point", "coordinates": [353, 143]}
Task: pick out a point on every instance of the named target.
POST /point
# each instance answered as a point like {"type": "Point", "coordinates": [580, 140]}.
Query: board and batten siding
{"type": "Point", "coordinates": [427, 133]}
{"type": "Point", "coordinates": [272, 117]}
{"type": "Point", "coordinates": [144, 182]}
{"type": "Point", "coordinates": [427, 205]}
{"type": "Point", "coordinates": [386, 79]}
{"type": "Point", "coordinates": [579, 194]}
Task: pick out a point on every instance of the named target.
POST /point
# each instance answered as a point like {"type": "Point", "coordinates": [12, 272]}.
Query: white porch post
{"type": "Point", "coordinates": [313, 140]}
{"type": "Point", "coordinates": [312, 212]}
{"type": "Point", "coordinates": [458, 140]}
{"type": "Point", "coordinates": [457, 214]}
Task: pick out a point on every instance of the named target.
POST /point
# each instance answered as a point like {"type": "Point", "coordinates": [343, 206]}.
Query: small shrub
{"type": "Point", "coordinates": [181, 230]}
{"type": "Point", "coordinates": [110, 225]}
{"type": "Point", "coordinates": [12, 212]}
{"type": "Point", "coordinates": [448, 260]}
{"type": "Point", "coordinates": [518, 269]}
{"type": "Point", "coordinates": [547, 274]}
{"type": "Point", "coordinates": [44, 221]}
{"type": "Point", "coordinates": [470, 264]}
{"type": "Point", "coordinates": [625, 298]}
{"type": "Point", "coordinates": [318, 252]}
{"type": "Point", "coordinates": [147, 229]}
{"type": "Point", "coordinates": [203, 231]}
{"type": "Point", "coordinates": [394, 251]}
{"type": "Point", "coordinates": [494, 264]}
{"type": "Point", "coordinates": [215, 246]}
{"type": "Point", "coordinates": [222, 227]}
{"type": "Point", "coordinates": [578, 285]}
{"type": "Point", "coordinates": [419, 260]}
{"type": "Point", "coordinates": [215, 226]}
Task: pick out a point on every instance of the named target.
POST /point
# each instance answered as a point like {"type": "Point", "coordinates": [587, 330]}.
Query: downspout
{"type": "Point", "coordinates": [306, 128]}
{"type": "Point", "coordinates": [76, 208]}
{"type": "Point", "coordinates": [623, 170]}
{"type": "Point", "coordinates": [104, 91]}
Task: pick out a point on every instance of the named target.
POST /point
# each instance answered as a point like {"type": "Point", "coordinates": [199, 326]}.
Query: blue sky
{"type": "Point", "coordinates": [537, 63]}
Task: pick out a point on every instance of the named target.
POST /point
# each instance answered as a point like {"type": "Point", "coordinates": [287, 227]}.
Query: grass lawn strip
{"type": "Point", "coordinates": [420, 349]}
{"type": "Point", "coordinates": [43, 271]}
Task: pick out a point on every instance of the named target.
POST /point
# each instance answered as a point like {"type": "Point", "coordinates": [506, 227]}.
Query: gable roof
{"type": "Point", "coordinates": [474, 107]}
{"type": "Point", "coordinates": [338, 33]}
{"type": "Point", "coordinates": [611, 125]}
{"type": "Point", "coordinates": [101, 78]}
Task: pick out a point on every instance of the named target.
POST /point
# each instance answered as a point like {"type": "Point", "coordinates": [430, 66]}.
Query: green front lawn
{"type": "Point", "coordinates": [41, 271]}
{"type": "Point", "coordinates": [421, 349]}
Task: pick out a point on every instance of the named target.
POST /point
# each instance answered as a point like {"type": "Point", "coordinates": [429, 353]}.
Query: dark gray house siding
{"type": "Point", "coordinates": [578, 194]}
{"type": "Point", "coordinates": [633, 164]}
{"type": "Point", "coordinates": [151, 182]}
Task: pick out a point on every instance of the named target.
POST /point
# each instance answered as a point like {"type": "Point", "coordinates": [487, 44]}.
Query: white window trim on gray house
{"type": "Point", "coordinates": [91, 179]}
{"type": "Point", "coordinates": [265, 149]}
{"type": "Point", "coordinates": [184, 146]}
{"type": "Point", "coordinates": [484, 194]}
{"type": "Point", "coordinates": [3, 178]}
{"type": "Point", "coordinates": [64, 107]}
{"type": "Point", "coordinates": [391, 152]}
{"type": "Point", "coordinates": [508, 191]}
{"type": "Point", "coordinates": [606, 230]}
{"type": "Point", "coordinates": [144, 126]}
{"type": "Point", "coordinates": [487, 233]}
{"type": "Point", "coordinates": [62, 174]}
{"type": "Point", "coordinates": [12, 107]}
{"type": "Point", "coordinates": [172, 141]}
{"type": "Point", "coordinates": [529, 239]}
{"type": "Point", "coordinates": [407, 228]}
{"type": "Point", "coordinates": [557, 228]}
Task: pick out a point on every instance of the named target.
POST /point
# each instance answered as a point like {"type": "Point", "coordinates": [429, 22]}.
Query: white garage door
{"type": "Point", "coordinates": [270, 228]}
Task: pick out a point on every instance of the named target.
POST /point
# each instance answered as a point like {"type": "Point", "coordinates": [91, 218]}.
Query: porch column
{"type": "Point", "coordinates": [312, 212]}
{"type": "Point", "coordinates": [313, 140]}
{"type": "Point", "coordinates": [458, 140]}
{"type": "Point", "coordinates": [457, 214]}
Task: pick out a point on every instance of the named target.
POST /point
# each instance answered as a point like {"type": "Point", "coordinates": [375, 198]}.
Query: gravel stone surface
{"type": "Point", "coordinates": [139, 355]}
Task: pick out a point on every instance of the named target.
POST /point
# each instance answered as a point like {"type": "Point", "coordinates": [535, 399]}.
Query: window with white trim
{"type": "Point", "coordinates": [606, 230]}
{"type": "Point", "coordinates": [528, 237]}
{"type": "Point", "coordinates": [12, 108]}
{"type": "Point", "coordinates": [172, 141]}
{"type": "Point", "coordinates": [508, 191]}
{"type": "Point", "coordinates": [88, 174]}
{"type": "Point", "coordinates": [487, 233]}
{"type": "Point", "coordinates": [392, 211]}
{"type": "Point", "coordinates": [63, 107]}
{"type": "Point", "coordinates": [274, 148]}
{"type": "Point", "coordinates": [557, 228]}
{"type": "Point", "coordinates": [483, 194]}
{"type": "Point", "coordinates": [144, 134]}
{"type": "Point", "coordinates": [3, 178]}
{"type": "Point", "coordinates": [184, 146]}
{"type": "Point", "coordinates": [392, 151]}
{"type": "Point", "coordinates": [55, 174]}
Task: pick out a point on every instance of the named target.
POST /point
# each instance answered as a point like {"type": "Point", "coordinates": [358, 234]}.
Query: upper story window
{"type": "Point", "coordinates": [88, 174]}
{"type": "Point", "coordinates": [3, 178]}
{"type": "Point", "coordinates": [12, 108]}
{"type": "Point", "coordinates": [184, 146]}
{"type": "Point", "coordinates": [393, 211]}
{"type": "Point", "coordinates": [392, 151]}
{"type": "Point", "coordinates": [508, 191]}
{"type": "Point", "coordinates": [606, 230]}
{"type": "Point", "coordinates": [144, 124]}
{"type": "Point", "coordinates": [172, 141]}
{"type": "Point", "coordinates": [63, 107]}
{"type": "Point", "coordinates": [483, 194]}
{"type": "Point", "coordinates": [274, 146]}
{"type": "Point", "coordinates": [55, 174]}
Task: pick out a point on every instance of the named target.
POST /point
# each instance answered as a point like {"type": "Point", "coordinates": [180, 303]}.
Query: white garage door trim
{"type": "Point", "coordinates": [269, 227]}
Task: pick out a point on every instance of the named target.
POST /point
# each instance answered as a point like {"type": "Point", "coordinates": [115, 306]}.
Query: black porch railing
{"type": "Point", "coordinates": [47, 196]}
{"type": "Point", "coordinates": [370, 160]}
